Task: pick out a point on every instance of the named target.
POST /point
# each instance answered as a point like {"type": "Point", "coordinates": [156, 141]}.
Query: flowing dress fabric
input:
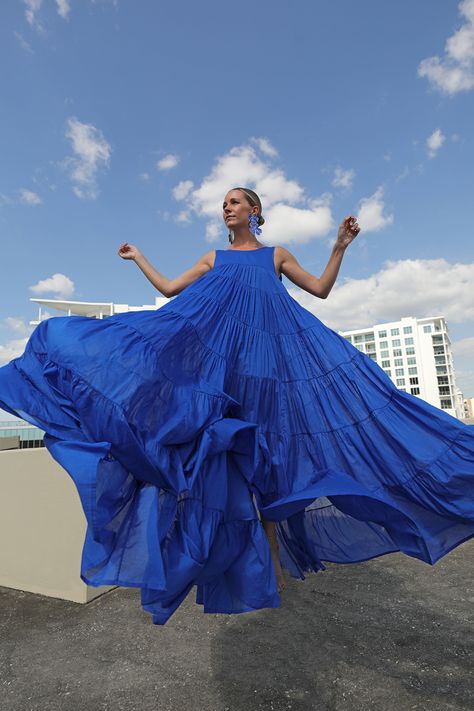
{"type": "Point", "coordinates": [179, 425]}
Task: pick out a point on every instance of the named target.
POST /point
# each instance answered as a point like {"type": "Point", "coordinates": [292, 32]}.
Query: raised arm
{"type": "Point", "coordinates": [320, 286]}
{"type": "Point", "coordinates": [168, 287]}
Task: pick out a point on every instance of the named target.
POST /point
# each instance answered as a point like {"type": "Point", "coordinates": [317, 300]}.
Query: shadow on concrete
{"type": "Point", "coordinates": [391, 633]}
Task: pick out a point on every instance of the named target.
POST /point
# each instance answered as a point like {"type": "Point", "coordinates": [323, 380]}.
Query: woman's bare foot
{"type": "Point", "coordinates": [270, 530]}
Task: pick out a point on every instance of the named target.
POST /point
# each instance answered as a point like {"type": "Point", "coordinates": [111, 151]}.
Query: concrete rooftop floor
{"type": "Point", "coordinates": [388, 634]}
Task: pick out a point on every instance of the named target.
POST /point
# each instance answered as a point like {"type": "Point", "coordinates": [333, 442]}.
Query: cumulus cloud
{"type": "Point", "coordinates": [57, 284]}
{"type": "Point", "coordinates": [454, 71]}
{"type": "Point", "coordinates": [168, 162]}
{"type": "Point", "coordinates": [15, 346]}
{"type": "Point", "coordinates": [343, 178]}
{"type": "Point", "coordinates": [264, 145]}
{"type": "Point", "coordinates": [64, 8]}
{"type": "Point", "coordinates": [92, 152]}
{"type": "Point", "coordinates": [407, 287]}
{"type": "Point", "coordinates": [434, 142]}
{"type": "Point", "coordinates": [290, 215]}
{"type": "Point", "coordinates": [370, 213]}
{"type": "Point", "coordinates": [29, 197]}
{"type": "Point", "coordinates": [182, 189]}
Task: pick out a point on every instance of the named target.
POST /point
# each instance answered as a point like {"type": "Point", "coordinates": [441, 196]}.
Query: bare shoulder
{"type": "Point", "coordinates": [208, 258]}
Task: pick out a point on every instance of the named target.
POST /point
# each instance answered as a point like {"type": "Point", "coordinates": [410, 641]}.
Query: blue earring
{"type": "Point", "coordinates": [253, 224]}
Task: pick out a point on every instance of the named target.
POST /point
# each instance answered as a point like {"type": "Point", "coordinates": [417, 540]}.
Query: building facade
{"type": "Point", "coordinates": [416, 354]}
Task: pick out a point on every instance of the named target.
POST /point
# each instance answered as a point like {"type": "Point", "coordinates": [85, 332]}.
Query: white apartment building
{"type": "Point", "coordinates": [416, 354]}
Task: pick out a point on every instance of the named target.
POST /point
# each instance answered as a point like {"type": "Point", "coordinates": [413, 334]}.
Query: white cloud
{"type": "Point", "coordinates": [17, 325]}
{"type": "Point", "coordinates": [91, 153]}
{"type": "Point", "coordinates": [145, 177]}
{"type": "Point", "coordinates": [463, 352]}
{"type": "Point", "coordinates": [168, 162]}
{"type": "Point", "coordinates": [407, 287]}
{"type": "Point", "coordinates": [16, 346]}
{"type": "Point", "coordinates": [290, 216]}
{"type": "Point", "coordinates": [12, 349]}
{"type": "Point", "coordinates": [370, 213]}
{"type": "Point", "coordinates": [64, 8]}
{"type": "Point", "coordinates": [31, 13]}
{"type": "Point", "coordinates": [264, 145]}
{"type": "Point", "coordinates": [295, 225]}
{"type": "Point", "coordinates": [182, 189]}
{"type": "Point", "coordinates": [434, 142]}
{"type": "Point", "coordinates": [29, 197]}
{"type": "Point", "coordinates": [343, 178]}
{"type": "Point", "coordinates": [58, 284]}
{"type": "Point", "coordinates": [454, 72]}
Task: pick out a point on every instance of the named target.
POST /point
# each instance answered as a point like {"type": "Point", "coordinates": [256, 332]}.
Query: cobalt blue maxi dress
{"type": "Point", "coordinates": [177, 424]}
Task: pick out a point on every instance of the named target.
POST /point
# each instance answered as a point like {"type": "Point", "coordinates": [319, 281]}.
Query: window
{"type": "Point", "coordinates": [398, 362]}
{"type": "Point", "coordinates": [395, 332]}
{"type": "Point", "coordinates": [383, 344]}
{"type": "Point", "coordinates": [388, 372]}
{"type": "Point", "coordinates": [411, 361]}
{"type": "Point", "coordinates": [369, 337]}
{"type": "Point", "coordinates": [358, 339]}
{"type": "Point", "coordinates": [446, 404]}
{"type": "Point", "coordinates": [441, 370]}
{"type": "Point", "coordinates": [403, 390]}
{"type": "Point", "coordinates": [396, 343]}
{"type": "Point", "coordinates": [427, 329]}
{"type": "Point", "coordinates": [443, 380]}
{"type": "Point", "coordinates": [410, 351]}
{"type": "Point", "coordinates": [382, 334]}
{"type": "Point", "coordinates": [440, 360]}
{"type": "Point", "coordinates": [372, 355]}
{"type": "Point", "coordinates": [413, 381]}
{"type": "Point", "coordinates": [385, 364]}
{"type": "Point", "coordinates": [397, 353]}
{"type": "Point", "coordinates": [400, 381]}
{"type": "Point", "coordinates": [444, 390]}
{"type": "Point", "coordinates": [399, 372]}
{"type": "Point", "coordinates": [415, 391]}
{"type": "Point", "coordinates": [409, 341]}
{"type": "Point", "coordinates": [407, 329]}
{"type": "Point", "coordinates": [412, 371]}
{"type": "Point", "coordinates": [437, 339]}
{"type": "Point", "coordinates": [384, 354]}
{"type": "Point", "coordinates": [371, 346]}
{"type": "Point", "coordinates": [348, 338]}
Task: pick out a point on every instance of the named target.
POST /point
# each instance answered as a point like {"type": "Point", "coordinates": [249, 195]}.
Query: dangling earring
{"type": "Point", "coordinates": [253, 224]}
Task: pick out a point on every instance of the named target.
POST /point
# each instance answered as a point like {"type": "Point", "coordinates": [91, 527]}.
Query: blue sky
{"type": "Point", "coordinates": [127, 121]}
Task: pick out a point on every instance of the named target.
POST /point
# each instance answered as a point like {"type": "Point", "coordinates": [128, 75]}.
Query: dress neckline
{"type": "Point", "coordinates": [229, 249]}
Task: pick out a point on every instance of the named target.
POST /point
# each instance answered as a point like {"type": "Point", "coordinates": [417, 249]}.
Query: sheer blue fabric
{"type": "Point", "coordinates": [180, 426]}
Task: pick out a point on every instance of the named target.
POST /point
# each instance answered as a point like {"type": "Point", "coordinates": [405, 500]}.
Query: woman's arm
{"type": "Point", "coordinates": [171, 287]}
{"type": "Point", "coordinates": [321, 286]}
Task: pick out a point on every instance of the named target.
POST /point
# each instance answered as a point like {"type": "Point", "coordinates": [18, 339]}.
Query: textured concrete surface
{"type": "Point", "coordinates": [391, 633]}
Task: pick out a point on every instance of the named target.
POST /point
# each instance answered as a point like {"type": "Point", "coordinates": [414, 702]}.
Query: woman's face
{"type": "Point", "coordinates": [236, 209]}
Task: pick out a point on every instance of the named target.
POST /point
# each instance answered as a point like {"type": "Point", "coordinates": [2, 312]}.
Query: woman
{"type": "Point", "coordinates": [182, 427]}
{"type": "Point", "coordinates": [238, 207]}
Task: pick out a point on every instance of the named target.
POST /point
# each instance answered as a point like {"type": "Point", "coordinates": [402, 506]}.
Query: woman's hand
{"type": "Point", "coordinates": [128, 251]}
{"type": "Point", "coordinates": [348, 230]}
